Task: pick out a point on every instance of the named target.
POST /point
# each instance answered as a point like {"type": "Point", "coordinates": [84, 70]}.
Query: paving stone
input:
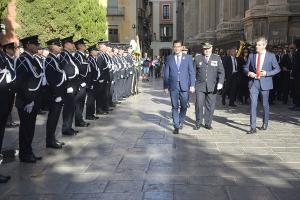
{"type": "Point", "coordinates": [124, 186]}
{"type": "Point", "coordinates": [249, 193]}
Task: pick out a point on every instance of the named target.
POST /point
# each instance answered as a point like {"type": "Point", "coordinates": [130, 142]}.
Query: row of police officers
{"type": "Point", "coordinates": [69, 79]}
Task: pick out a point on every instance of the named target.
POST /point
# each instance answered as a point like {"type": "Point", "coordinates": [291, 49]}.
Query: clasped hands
{"type": "Point", "coordinates": [253, 75]}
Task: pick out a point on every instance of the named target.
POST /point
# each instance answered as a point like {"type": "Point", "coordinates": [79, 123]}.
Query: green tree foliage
{"type": "Point", "coordinates": [61, 18]}
{"type": "Point", "coordinates": [3, 6]}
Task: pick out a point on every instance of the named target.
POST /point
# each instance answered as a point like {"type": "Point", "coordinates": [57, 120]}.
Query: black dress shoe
{"type": "Point", "coordinates": [75, 131]}
{"type": "Point", "coordinates": [209, 127]}
{"type": "Point", "coordinates": [4, 179]}
{"type": "Point", "coordinates": [59, 142]}
{"type": "Point", "coordinates": [27, 159]}
{"type": "Point", "coordinates": [232, 105]}
{"type": "Point", "coordinates": [12, 125]}
{"type": "Point", "coordinates": [54, 145]}
{"type": "Point", "coordinates": [252, 131]}
{"type": "Point", "coordinates": [82, 124]}
{"type": "Point", "coordinates": [37, 157]}
{"type": "Point", "coordinates": [197, 127]}
{"type": "Point", "coordinates": [92, 117]}
{"type": "Point", "coordinates": [176, 131]}
{"type": "Point", "coordinates": [69, 133]}
{"type": "Point", "coordinates": [180, 126]}
{"type": "Point", "coordinates": [113, 105]}
{"type": "Point", "coordinates": [263, 127]}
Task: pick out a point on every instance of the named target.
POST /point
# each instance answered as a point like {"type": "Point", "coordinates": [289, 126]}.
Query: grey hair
{"type": "Point", "coordinates": [262, 39]}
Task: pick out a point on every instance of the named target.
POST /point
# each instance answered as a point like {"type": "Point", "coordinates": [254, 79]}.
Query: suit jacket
{"type": "Point", "coordinates": [287, 62]}
{"type": "Point", "coordinates": [228, 66]}
{"type": "Point", "coordinates": [270, 65]}
{"type": "Point", "coordinates": [209, 74]}
{"type": "Point", "coordinates": [185, 72]}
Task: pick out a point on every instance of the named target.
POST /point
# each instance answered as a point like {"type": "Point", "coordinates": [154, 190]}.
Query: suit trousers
{"type": "Point", "coordinates": [26, 130]}
{"type": "Point", "coordinates": [179, 98]}
{"type": "Point", "coordinates": [53, 117]}
{"type": "Point", "coordinates": [68, 112]}
{"type": "Point", "coordinates": [79, 104]}
{"type": "Point", "coordinates": [256, 90]}
{"type": "Point", "coordinates": [207, 99]}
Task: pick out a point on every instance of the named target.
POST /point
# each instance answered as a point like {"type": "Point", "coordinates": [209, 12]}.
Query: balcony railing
{"type": "Point", "coordinates": [166, 39]}
{"type": "Point", "coordinates": [115, 11]}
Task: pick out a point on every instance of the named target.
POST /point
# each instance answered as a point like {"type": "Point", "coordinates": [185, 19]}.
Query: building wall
{"type": "Point", "coordinates": [158, 45]}
{"type": "Point", "coordinates": [224, 22]}
{"type": "Point", "coordinates": [124, 20]}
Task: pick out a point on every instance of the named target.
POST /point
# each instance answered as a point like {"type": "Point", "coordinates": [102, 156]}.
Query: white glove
{"type": "Point", "coordinates": [83, 84]}
{"type": "Point", "coordinates": [29, 107]}
{"type": "Point", "coordinates": [58, 99]}
{"type": "Point", "coordinates": [70, 90]}
{"type": "Point", "coordinates": [101, 81]}
{"type": "Point", "coordinates": [192, 89]}
{"type": "Point", "coordinates": [219, 86]}
{"type": "Point", "coordinates": [92, 87]}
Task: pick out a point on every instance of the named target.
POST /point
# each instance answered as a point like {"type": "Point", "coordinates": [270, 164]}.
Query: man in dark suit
{"type": "Point", "coordinates": [209, 78]}
{"type": "Point", "coordinates": [287, 64]}
{"type": "Point", "coordinates": [179, 79]}
{"type": "Point", "coordinates": [260, 68]}
{"type": "Point", "coordinates": [29, 78]}
{"type": "Point", "coordinates": [231, 75]}
{"type": "Point", "coordinates": [296, 77]}
{"type": "Point", "coordinates": [56, 79]}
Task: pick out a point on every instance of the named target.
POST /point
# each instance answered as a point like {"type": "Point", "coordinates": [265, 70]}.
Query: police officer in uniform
{"type": "Point", "coordinates": [104, 63]}
{"type": "Point", "coordinates": [69, 65]}
{"type": "Point", "coordinates": [93, 84]}
{"type": "Point", "coordinates": [209, 78]}
{"type": "Point", "coordinates": [84, 70]}
{"type": "Point", "coordinates": [56, 80]}
{"type": "Point", "coordinates": [5, 81]}
{"type": "Point", "coordinates": [10, 51]}
{"type": "Point", "coordinates": [29, 78]}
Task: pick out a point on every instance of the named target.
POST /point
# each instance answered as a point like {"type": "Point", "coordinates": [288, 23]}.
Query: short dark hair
{"type": "Point", "coordinates": [178, 41]}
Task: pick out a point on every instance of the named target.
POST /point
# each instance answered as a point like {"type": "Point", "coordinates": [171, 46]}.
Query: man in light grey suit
{"type": "Point", "coordinates": [179, 79]}
{"type": "Point", "coordinates": [260, 68]}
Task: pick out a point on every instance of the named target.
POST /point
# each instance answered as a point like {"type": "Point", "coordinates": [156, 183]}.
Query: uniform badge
{"type": "Point", "coordinates": [214, 63]}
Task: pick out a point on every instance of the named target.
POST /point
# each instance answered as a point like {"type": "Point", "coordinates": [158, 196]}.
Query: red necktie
{"type": "Point", "coordinates": [258, 66]}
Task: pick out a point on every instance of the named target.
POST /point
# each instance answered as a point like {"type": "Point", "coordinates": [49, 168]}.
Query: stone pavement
{"type": "Point", "coordinates": [133, 155]}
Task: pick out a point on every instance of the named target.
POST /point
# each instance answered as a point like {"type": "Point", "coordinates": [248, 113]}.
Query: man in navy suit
{"type": "Point", "coordinates": [260, 68]}
{"type": "Point", "coordinates": [179, 79]}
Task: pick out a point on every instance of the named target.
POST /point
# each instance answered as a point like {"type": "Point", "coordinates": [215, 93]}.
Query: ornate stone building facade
{"type": "Point", "coordinates": [225, 22]}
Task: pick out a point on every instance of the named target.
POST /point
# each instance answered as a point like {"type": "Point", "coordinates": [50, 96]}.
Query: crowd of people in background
{"type": "Point", "coordinates": [236, 83]}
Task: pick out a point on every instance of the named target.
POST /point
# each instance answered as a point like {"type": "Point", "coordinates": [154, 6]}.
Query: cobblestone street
{"type": "Point", "coordinates": [132, 154]}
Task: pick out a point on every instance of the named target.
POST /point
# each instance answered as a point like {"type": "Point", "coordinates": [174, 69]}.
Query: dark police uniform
{"type": "Point", "coordinates": [56, 80]}
{"type": "Point", "coordinates": [29, 78]}
{"type": "Point", "coordinates": [69, 65]}
{"type": "Point", "coordinates": [84, 70]}
{"type": "Point", "coordinates": [103, 96]}
{"type": "Point", "coordinates": [208, 75]}
{"type": "Point", "coordinates": [93, 84]}
{"type": "Point", "coordinates": [12, 89]}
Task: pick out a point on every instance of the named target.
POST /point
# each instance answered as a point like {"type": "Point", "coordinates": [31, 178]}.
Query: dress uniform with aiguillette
{"type": "Point", "coordinates": [29, 78]}
{"type": "Point", "coordinates": [209, 78]}
{"type": "Point", "coordinates": [56, 80]}
{"type": "Point", "coordinates": [93, 83]}
{"type": "Point", "coordinates": [69, 65]}
{"type": "Point", "coordinates": [84, 70]}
